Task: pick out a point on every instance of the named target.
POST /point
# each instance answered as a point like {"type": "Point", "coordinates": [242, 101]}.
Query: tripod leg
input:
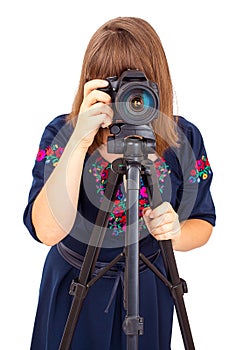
{"type": "Point", "coordinates": [177, 291]}
{"type": "Point", "coordinates": [79, 288]}
{"type": "Point", "coordinates": [178, 285]}
{"type": "Point", "coordinates": [133, 323]}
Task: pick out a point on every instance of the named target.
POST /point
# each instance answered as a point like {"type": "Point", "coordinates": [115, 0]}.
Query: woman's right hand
{"type": "Point", "coordinates": [95, 112]}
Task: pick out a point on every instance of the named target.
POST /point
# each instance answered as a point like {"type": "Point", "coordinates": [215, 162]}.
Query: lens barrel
{"type": "Point", "coordinates": [136, 103]}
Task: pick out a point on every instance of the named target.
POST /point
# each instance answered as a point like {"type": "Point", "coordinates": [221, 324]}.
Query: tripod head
{"type": "Point", "coordinates": [136, 142]}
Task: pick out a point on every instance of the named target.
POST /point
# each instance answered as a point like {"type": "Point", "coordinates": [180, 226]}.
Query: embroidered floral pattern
{"type": "Point", "coordinates": [201, 170]}
{"type": "Point", "coordinates": [117, 219]}
{"type": "Point", "coordinates": [50, 154]}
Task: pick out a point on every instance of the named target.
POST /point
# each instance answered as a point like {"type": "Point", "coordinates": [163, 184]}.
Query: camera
{"type": "Point", "coordinates": [135, 99]}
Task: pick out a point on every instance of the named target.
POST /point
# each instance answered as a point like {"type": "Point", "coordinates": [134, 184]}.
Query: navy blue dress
{"type": "Point", "coordinates": [184, 177]}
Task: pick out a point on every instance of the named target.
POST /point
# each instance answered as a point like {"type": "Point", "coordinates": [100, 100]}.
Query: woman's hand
{"type": "Point", "coordinates": [162, 222]}
{"type": "Point", "coordinates": [95, 112]}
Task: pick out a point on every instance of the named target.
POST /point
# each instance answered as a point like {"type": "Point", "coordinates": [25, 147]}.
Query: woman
{"type": "Point", "coordinates": [70, 175]}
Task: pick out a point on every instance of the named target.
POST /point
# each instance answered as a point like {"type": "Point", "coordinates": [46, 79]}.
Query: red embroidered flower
{"type": "Point", "coordinates": [118, 209]}
{"type": "Point", "coordinates": [51, 154]}
{"type": "Point", "coordinates": [193, 172]}
{"type": "Point", "coordinates": [199, 165]}
{"type": "Point", "coordinates": [143, 192]}
{"type": "Point", "coordinates": [117, 219]}
{"type": "Point", "coordinates": [201, 171]}
{"type": "Point", "coordinates": [104, 174]}
{"type": "Point", "coordinates": [40, 155]}
{"type": "Point", "coordinates": [123, 220]}
{"type": "Point", "coordinates": [49, 151]}
{"type": "Point", "coordinates": [59, 152]}
{"type": "Point", "coordinates": [142, 202]}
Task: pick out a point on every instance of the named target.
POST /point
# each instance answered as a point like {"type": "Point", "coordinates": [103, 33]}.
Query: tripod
{"type": "Point", "coordinates": [134, 164]}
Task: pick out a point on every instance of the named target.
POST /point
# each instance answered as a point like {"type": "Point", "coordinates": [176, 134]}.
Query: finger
{"type": "Point", "coordinates": [106, 122]}
{"type": "Point", "coordinates": [96, 96]}
{"type": "Point", "coordinates": [163, 237]}
{"type": "Point", "coordinates": [96, 122]}
{"type": "Point", "coordinates": [172, 227]}
{"type": "Point", "coordinates": [167, 236]}
{"type": "Point", "coordinates": [94, 117]}
{"type": "Point", "coordinates": [163, 208]}
{"type": "Point", "coordinates": [163, 229]}
{"type": "Point", "coordinates": [93, 85]}
{"type": "Point", "coordinates": [163, 219]}
{"type": "Point", "coordinates": [99, 108]}
{"type": "Point", "coordinates": [147, 211]}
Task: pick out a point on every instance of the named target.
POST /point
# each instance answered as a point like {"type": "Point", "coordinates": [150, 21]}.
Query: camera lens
{"type": "Point", "coordinates": [136, 104]}
{"type": "Point", "coordinates": [139, 101]}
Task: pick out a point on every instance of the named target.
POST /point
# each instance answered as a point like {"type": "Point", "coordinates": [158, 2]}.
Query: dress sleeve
{"type": "Point", "coordinates": [53, 141]}
{"type": "Point", "coordinates": [194, 195]}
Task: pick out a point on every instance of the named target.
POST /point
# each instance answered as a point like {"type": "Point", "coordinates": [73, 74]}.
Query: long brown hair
{"type": "Point", "coordinates": [129, 43]}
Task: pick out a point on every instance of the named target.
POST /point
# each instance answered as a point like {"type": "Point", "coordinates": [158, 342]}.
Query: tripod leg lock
{"type": "Point", "coordinates": [180, 288]}
{"type": "Point", "coordinates": [133, 325]}
{"type": "Point", "coordinates": [78, 289]}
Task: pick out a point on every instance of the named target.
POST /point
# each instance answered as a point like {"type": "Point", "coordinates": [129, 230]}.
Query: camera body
{"type": "Point", "coordinates": [135, 99]}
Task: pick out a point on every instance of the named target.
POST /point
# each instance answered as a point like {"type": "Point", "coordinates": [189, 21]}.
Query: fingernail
{"type": "Point", "coordinates": [147, 212]}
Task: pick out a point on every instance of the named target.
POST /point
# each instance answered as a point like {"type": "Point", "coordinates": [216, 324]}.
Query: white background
{"type": "Point", "coordinates": [42, 43]}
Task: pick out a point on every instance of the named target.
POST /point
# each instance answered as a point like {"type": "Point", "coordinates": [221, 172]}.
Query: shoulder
{"type": "Point", "coordinates": [188, 131]}
{"type": "Point", "coordinates": [57, 128]}
{"type": "Point", "coordinates": [57, 123]}
{"type": "Point", "coordinates": [190, 146]}
{"type": "Point", "coordinates": [187, 126]}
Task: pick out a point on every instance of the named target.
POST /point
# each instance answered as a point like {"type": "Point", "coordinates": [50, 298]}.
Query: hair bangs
{"type": "Point", "coordinates": [117, 53]}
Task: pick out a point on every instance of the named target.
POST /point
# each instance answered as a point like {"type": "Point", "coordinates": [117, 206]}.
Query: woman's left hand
{"type": "Point", "coordinates": [162, 222]}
